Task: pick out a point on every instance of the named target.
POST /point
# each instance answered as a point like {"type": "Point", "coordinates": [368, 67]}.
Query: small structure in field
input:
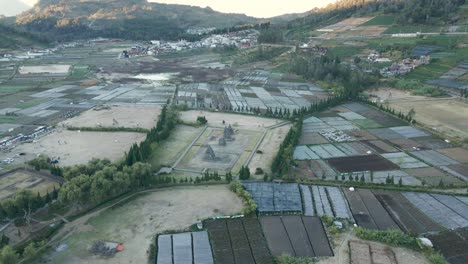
{"type": "Point", "coordinates": [107, 249]}
{"type": "Point", "coordinates": [210, 154]}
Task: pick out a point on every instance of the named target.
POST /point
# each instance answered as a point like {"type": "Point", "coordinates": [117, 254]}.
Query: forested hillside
{"type": "Point", "coordinates": [135, 19]}
{"type": "Point", "coordinates": [408, 11]}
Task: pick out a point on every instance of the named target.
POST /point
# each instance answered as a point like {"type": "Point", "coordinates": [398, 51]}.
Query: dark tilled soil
{"type": "Point", "coordinates": [361, 163]}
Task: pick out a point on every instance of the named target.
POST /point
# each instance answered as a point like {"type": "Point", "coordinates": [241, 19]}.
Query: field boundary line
{"type": "Point", "coordinates": [188, 148]}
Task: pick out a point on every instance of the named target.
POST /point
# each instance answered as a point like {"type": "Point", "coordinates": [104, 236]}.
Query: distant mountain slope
{"type": "Point", "coordinates": [122, 18]}
{"type": "Point", "coordinates": [12, 7]}
{"type": "Point", "coordinates": [422, 12]}
{"type": "Point", "coordinates": [13, 38]}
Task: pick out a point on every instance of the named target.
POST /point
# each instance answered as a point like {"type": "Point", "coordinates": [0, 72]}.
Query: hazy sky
{"type": "Point", "coordinates": [257, 8]}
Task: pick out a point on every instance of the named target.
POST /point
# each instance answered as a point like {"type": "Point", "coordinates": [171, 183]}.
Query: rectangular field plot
{"type": "Point", "coordinates": [364, 253]}
{"type": "Point", "coordinates": [321, 200]}
{"type": "Point", "coordinates": [453, 245]}
{"type": "Point", "coordinates": [408, 217]}
{"type": "Point", "coordinates": [434, 158]}
{"type": "Point", "coordinates": [406, 144]}
{"type": "Point", "coordinates": [380, 146]}
{"type": "Point", "coordinates": [446, 211]}
{"type": "Point", "coordinates": [385, 133]}
{"type": "Point", "coordinates": [361, 163]}
{"type": "Point", "coordinates": [184, 248]}
{"type": "Point", "coordinates": [458, 170]}
{"type": "Point", "coordinates": [297, 236]}
{"type": "Point", "coordinates": [272, 197]}
{"type": "Point", "coordinates": [404, 161]}
{"type": "Point", "coordinates": [238, 241]}
{"type": "Point", "coordinates": [409, 132]}
{"type": "Point", "coordinates": [367, 210]}
{"type": "Point", "coordinates": [351, 116]}
{"type": "Point", "coordinates": [458, 154]}
{"type": "Point", "coordinates": [433, 176]}
{"type": "Point", "coordinates": [366, 123]}
{"type": "Point", "coordinates": [327, 151]}
{"type": "Point", "coordinates": [312, 139]}
{"type": "Point", "coordinates": [432, 143]}
{"type": "Point", "coordinates": [304, 153]}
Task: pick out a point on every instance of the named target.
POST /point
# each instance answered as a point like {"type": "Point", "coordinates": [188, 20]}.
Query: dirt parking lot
{"type": "Point", "coordinates": [246, 122]}
{"type": "Point", "coordinates": [126, 116]}
{"type": "Point", "coordinates": [135, 223]}
{"type": "Point", "coordinates": [73, 147]}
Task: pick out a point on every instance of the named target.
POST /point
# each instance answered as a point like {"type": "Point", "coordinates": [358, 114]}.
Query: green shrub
{"type": "Point", "coordinates": [391, 237]}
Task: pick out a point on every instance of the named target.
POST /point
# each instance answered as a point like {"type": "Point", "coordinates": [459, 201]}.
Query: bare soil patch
{"type": "Point", "coordinates": [458, 154]}
{"type": "Point", "coordinates": [17, 180]}
{"type": "Point", "coordinates": [136, 222]}
{"type": "Point", "coordinates": [73, 147]}
{"type": "Point", "coordinates": [216, 119]}
{"type": "Point", "coordinates": [267, 150]}
{"type": "Point", "coordinates": [121, 116]}
{"type": "Point", "coordinates": [53, 68]}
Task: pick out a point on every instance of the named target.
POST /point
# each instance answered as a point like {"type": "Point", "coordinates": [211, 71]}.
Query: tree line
{"type": "Point", "coordinates": [167, 122]}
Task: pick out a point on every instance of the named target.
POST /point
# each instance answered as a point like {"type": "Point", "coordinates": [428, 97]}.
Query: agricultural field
{"type": "Point", "coordinates": [134, 223]}
{"type": "Point", "coordinates": [116, 116]}
{"type": "Point", "coordinates": [238, 241]}
{"type": "Point", "coordinates": [322, 200]}
{"type": "Point", "coordinates": [453, 245]}
{"type": "Point", "coordinates": [53, 69]}
{"type": "Point", "coordinates": [298, 236]}
{"type": "Point", "coordinates": [365, 143]}
{"type": "Point", "coordinates": [275, 198]}
{"type": "Point", "coordinates": [367, 210]}
{"type": "Point", "coordinates": [74, 147]}
{"type": "Point", "coordinates": [193, 247]}
{"type": "Point", "coordinates": [16, 180]}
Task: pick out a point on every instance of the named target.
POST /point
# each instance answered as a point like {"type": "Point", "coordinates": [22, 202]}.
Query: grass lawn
{"type": "Point", "coordinates": [380, 21]}
{"type": "Point", "coordinates": [79, 72]}
{"type": "Point", "coordinates": [346, 51]}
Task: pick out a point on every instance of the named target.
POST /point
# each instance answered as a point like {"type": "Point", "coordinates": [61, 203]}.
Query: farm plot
{"type": "Point", "coordinates": [315, 169]}
{"type": "Point", "coordinates": [409, 132]}
{"type": "Point", "coordinates": [404, 161]}
{"type": "Point", "coordinates": [367, 211]}
{"type": "Point", "coordinates": [434, 158]}
{"type": "Point", "coordinates": [360, 134]}
{"type": "Point", "coordinates": [380, 146]}
{"type": "Point", "coordinates": [238, 241]}
{"type": "Point", "coordinates": [433, 176]}
{"type": "Point", "coordinates": [120, 116]}
{"type": "Point", "coordinates": [447, 211]}
{"type": "Point", "coordinates": [320, 200]}
{"type": "Point", "coordinates": [385, 133]}
{"type": "Point", "coordinates": [208, 153]}
{"type": "Point", "coordinates": [365, 253]}
{"type": "Point", "coordinates": [367, 123]}
{"type": "Point", "coordinates": [459, 170]}
{"type": "Point", "coordinates": [458, 154]}
{"type": "Point", "coordinates": [406, 144]}
{"type": "Point", "coordinates": [52, 68]}
{"type": "Point", "coordinates": [312, 139]}
{"type": "Point", "coordinates": [193, 247]}
{"type": "Point", "coordinates": [453, 245]}
{"type": "Point", "coordinates": [432, 143]}
{"type": "Point", "coordinates": [275, 198]}
{"type": "Point", "coordinates": [297, 236]}
{"type": "Point", "coordinates": [382, 118]}
{"type": "Point", "coordinates": [16, 180]}
{"type": "Point", "coordinates": [72, 147]}
{"type": "Point", "coordinates": [408, 217]}
{"type": "Point", "coordinates": [361, 163]}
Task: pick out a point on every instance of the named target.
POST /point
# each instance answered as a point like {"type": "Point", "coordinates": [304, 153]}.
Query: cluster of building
{"type": "Point", "coordinates": [240, 39]}
{"type": "Point", "coordinates": [10, 143]}
{"type": "Point", "coordinates": [319, 50]}
{"type": "Point", "coordinates": [405, 66]}
{"type": "Point", "coordinates": [376, 57]}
